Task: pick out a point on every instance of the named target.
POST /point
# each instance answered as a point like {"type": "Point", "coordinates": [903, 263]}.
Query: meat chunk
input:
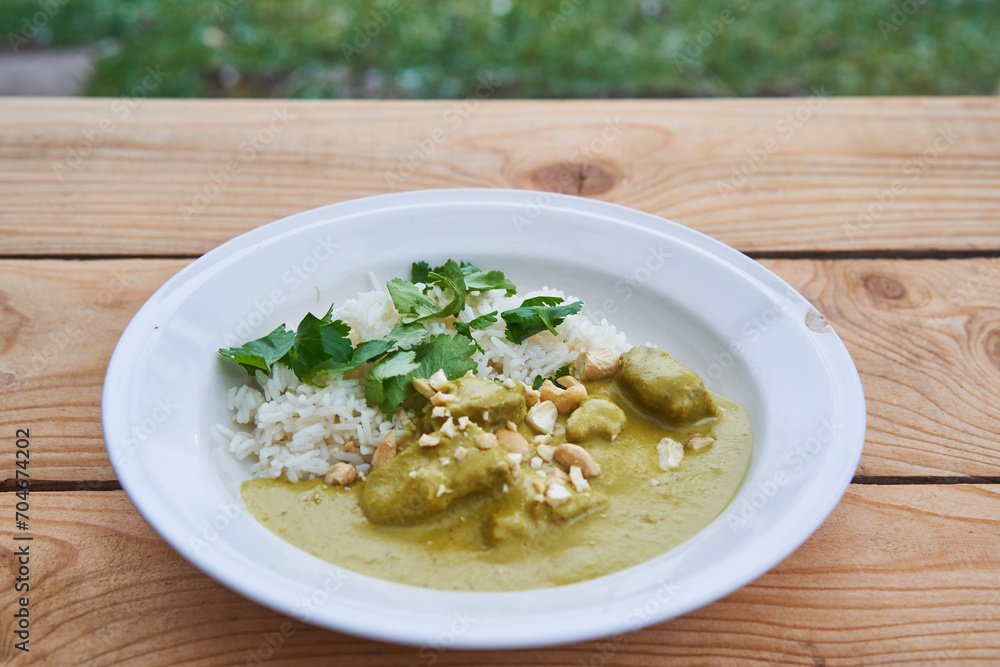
{"type": "Point", "coordinates": [672, 391]}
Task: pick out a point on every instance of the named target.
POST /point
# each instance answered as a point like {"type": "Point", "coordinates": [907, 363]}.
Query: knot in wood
{"type": "Point", "coordinates": [993, 347]}
{"type": "Point", "coordinates": [573, 178]}
{"type": "Point", "coordinates": [884, 287]}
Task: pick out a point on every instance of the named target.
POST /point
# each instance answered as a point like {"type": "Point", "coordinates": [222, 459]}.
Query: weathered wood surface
{"type": "Point", "coordinates": [168, 177]}
{"type": "Point", "coordinates": [897, 575]}
{"type": "Point", "coordinates": [925, 336]}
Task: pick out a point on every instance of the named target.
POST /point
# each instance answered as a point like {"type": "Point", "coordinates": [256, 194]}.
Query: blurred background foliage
{"type": "Point", "coordinates": [538, 49]}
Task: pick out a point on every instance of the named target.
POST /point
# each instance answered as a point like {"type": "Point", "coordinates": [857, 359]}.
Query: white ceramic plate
{"type": "Point", "coordinates": [751, 336]}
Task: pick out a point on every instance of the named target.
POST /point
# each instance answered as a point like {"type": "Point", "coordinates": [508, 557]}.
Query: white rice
{"type": "Point", "coordinates": [298, 431]}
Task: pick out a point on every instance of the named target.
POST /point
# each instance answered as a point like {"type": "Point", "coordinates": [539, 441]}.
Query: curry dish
{"type": "Point", "coordinates": [496, 486]}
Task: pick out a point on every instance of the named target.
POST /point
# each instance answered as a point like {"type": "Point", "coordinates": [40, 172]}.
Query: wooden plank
{"type": "Point", "coordinates": [169, 177]}
{"type": "Point", "coordinates": [925, 336]}
{"type": "Point", "coordinates": [897, 575]}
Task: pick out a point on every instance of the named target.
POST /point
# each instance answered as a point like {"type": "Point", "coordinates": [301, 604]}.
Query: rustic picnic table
{"type": "Point", "coordinates": [885, 213]}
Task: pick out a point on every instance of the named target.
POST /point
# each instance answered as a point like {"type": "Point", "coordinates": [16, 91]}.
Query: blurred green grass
{"type": "Point", "coordinates": [542, 49]}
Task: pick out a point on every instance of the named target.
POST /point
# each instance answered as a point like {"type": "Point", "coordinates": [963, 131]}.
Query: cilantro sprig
{"type": "Point", "coordinates": [537, 314]}
{"type": "Point", "coordinates": [321, 345]}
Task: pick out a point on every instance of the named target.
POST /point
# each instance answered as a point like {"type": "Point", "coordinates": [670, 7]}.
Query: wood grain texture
{"type": "Point", "coordinates": [925, 336]}
{"type": "Point", "coordinates": [897, 575]}
{"type": "Point", "coordinates": [167, 177]}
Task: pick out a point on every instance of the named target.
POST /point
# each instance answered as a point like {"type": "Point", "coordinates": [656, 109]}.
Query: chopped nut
{"type": "Point", "coordinates": [654, 482]}
{"type": "Point", "coordinates": [385, 451]}
{"type": "Point", "coordinates": [341, 473]}
{"type": "Point", "coordinates": [349, 446]}
{"type": "Point", "coordinates": [569, 455]}
{"type": "Point", "coordinates": [445, 461]}
{"type": "Point", "coordinates": [538, 485]}
{"type": "Point", "coordinates": [513, 441]}
{"type": "Point", "coordinates": [597, 364]}
{"type": "Point", "coordinates": [509, 383]}
{"type": "Point", "coordinates": [441, 398]}
{"type": "Point", "coordinates": [412, 474]}
{"type": "Point", "coordinates": [439, 381]}
{"type": "Point", "coordinates": [448, 429]}
{"type": "Point", "coordinates": [531, 396]}
{"type": "Point", "coordinates": [424, 387]}
{"type": "Point", "coordinates": [565, 400]}
{"type": "Point", "coordinates": [699, 442]}
{"type": "Point", "coordinates": [511, 426]}
{"type": "Point", "coordinates": [485, 441]}
{"type": "Point", "coordinates": [514, 459]}
{"type": "Point", "coordinates": [428, 440]}
{"type": "Point", "coordinates": [559, 473]}
{"type": "Point", "coordinates": [442, 489]}
{"type": "Point", "coordinates": [567, 381]}
{"type": "Point", "coordinates": [463, 422]}
{"type": "Point", "coordinates": [461, 453]}
{"type": "Point", "coordinates": [545, 451]}
{"type": "Point", "coordinates": [542, 417]}
{"type": "Point", "coordinates": [536, 462]}
{"type": "Point", "coordinates": [556, 480]}
{"type": "Point", "coordinates": [670, 452]}
{"type": "Point", "coordinates": [576, 476]}
{"type": "Point", "coordinates": [439, 411]}
{"type": "Point", "coordinates": [556, 495]}
{"type": "Point", "coordinates": [542, 439]}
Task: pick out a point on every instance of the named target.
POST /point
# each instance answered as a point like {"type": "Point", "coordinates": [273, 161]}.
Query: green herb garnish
{"type": "Point", "coordinates": [537, 314]}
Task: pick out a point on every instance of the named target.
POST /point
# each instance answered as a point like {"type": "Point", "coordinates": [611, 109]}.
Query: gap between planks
{"type": "Point", "coordinates": [9, 485]}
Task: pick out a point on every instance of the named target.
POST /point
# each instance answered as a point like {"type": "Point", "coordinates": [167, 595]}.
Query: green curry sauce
{"type": "Point", "coordinates": [648, 512]}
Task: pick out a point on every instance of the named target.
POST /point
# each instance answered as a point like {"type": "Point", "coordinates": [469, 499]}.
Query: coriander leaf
{"type": "Point", "coordinates": [488, 280]}
{"type": "Point", "coordinates": [402, 337]}
{"type": "Point", "coordinates": [390, 379]}
{"type": "Point", "coordinates": [450, 277]}
{"type": "Point", "coordinates": [419, 272]}
{"type": "Point", "coordinates": [536, 315]}
{"type": "Point", "coordinates": [408, 299]}
{"type": "Point", "coordinates": [480, 322]}
{"type": "Point", "coordinates": [263, 352]}
{"type": "Point", "coordinates": [448, 353]}
{"type": "Point", "coordinates": [318, 341]}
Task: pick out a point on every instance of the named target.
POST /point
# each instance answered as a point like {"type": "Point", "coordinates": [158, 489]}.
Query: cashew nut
{"type": "Point", "coordinates": [569, 455]}
{"type": "Point", "coordinates": [341, 473]}
{"type": "Point", "coordinates": [565, 400]}
{"type": "Point", "coordinates": [427, 440]}
{"type": "Point", "coordinates": [385, 451]}
{"type": "Point", "coordinates": [513, 442]}
{"type": "Point", "coordinates": [485, 441]}
{"type": "Point", "coordinates": [670, 452]}
{"type": "Point", "coordinates": [597, 364]}
{"type": "Point", "coordinates": [424, 387]}
{"type": "Point", "coordinates": [699, 442]}
{"type": "Point", "coordinates": [439, 381]}
{"type": "Point", "coordinates": [542, 417]}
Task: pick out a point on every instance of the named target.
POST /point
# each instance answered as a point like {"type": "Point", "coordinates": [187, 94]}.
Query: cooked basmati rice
{"type": "Point", "coordinates": [300, 430]}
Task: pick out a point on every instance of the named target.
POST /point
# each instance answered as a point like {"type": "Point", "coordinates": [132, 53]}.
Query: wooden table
{"type": "Point", "coordinates": [885, 213]}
